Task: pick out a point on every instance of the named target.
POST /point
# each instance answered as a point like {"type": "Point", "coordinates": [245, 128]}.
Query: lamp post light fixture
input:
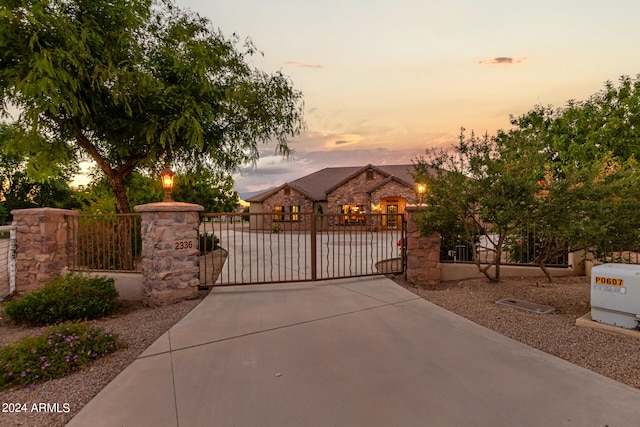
{"type": "Point", "coordinates": [421, 188]}
{"type": "Point", "coordinates": [167, 182]}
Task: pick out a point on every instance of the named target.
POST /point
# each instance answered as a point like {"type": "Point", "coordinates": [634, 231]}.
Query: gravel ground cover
{"type": "Point", "coordinates": [137, 326]}
{"type": "Point", "coordinates": [612, 355]}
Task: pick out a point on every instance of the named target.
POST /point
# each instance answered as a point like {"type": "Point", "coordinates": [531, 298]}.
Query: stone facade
{"type": "Point", "coordinates": [170, 264]}
{"type": "Point", "coordinates": [423, 252]}
{"type": "Point", "coordinates": [392, 190]}
{"type": "Point", "coordinates": [43, 245]}
{"type": "Point", "coordinates": [287, 197]}
{"type": "Point", "coordinates": [354, 191]}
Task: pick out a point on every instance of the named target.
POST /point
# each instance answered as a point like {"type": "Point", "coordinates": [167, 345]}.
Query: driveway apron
{"type": "Point", "coordinates": [356, 352]}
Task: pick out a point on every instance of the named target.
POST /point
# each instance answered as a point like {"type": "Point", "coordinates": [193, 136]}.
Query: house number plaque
{"type": "Point", "coordinates": [182, 245]}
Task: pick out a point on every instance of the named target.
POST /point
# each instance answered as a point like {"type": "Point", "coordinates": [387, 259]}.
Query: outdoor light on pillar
{"type": "Point", "coordinates": [167, 182]}
{"type": "Point", "coordinates": [421, 189]}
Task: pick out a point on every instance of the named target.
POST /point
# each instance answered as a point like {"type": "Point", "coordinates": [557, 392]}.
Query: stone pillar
{"type": "Point", "coordinates": [44, 244]}
{"type": "Point", "coordinates": [170, 270]}
{"type": "Point", "coordinates": [423, 252]}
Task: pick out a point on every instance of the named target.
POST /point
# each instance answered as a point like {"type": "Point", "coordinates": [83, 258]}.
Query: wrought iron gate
{"type": "Point", "coordinates": [251, 248]}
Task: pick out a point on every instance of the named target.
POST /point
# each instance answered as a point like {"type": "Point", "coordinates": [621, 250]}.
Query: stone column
{"type": "Point", "coordinates": [170, 270]}
{"type": "Point", "coordinates": [423, 252]}
{"type": "Point", "coordinates": [44, 245]}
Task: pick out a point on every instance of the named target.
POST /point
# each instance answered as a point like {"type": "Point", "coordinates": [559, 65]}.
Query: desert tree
{"type": "Point", "coordinates": [134, 84]}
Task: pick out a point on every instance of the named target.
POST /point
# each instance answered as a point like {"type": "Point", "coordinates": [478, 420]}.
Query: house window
{"type": "Point", "coordinates": [369, 174]}
{"type": "Point", "coordinates": [287, 191]}
{"type": "Point", "coordinates": [295, 210]}
{"type": "Point", "coordinates": [278, 217]}
{"type": "Point", "coordinates": [352, 214]}
{"type": "Point", "coordinates": [286, 213]}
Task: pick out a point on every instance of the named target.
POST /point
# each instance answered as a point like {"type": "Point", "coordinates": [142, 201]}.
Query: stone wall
{"type": "Point", "coordinates": [423, 252]}
{"type": "Point", "coordinates": [393, 189]}
{"type": "Point", "coordinates": [43, 245]}
{"type": "Point", "coordinates": [170, 262]}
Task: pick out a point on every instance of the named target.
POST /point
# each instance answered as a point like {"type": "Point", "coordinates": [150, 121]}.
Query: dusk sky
{"type": "Point", "coordinates": [382, 80]}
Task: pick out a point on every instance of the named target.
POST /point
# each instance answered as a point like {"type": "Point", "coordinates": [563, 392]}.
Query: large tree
{"type": "Point", "coordinates": [479, 195]}
{"type": "Point", "coordinates": [589, 193]}
{"type": "Point", "coordinates": [138, 83]}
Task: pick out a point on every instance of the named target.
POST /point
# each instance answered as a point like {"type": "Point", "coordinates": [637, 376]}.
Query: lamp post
{"type": "Point", "coordinates": [167, 182]}
{"type": "Point", "coordinates": [421, 188]}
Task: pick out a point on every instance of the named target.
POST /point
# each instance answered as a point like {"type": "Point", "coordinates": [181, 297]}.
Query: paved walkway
{"type": "Point", "coordinates": [358, 352]}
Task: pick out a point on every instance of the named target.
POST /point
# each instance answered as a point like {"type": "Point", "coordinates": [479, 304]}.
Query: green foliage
{"type": "Point", "coordinates": [476, 189]}
{"type": "Point", "coordinates": [21, 187]}
{"type": "Point", "coordinates": [212, 190]}
{"type": "Point", "coordinates": [208, 242]}
{"type": "Point", "coordinates": [98, 198]}
{"type": "Point", "coordinates": [72, 297]}
{"type": "Point", "coordinates": [570, 172]}
{"type": "Point", "coordinates": [136, 84]}
{"type": "Point", "coordinates": [532, 246]}
{"type": "Point", "coordinates": [588, 193]}
{"type": "Point", "coordinates": [56, 352]}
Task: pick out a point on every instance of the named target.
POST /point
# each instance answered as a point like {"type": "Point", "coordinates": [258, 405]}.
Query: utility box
{"type": "Point", "coordinates": [615, 295]}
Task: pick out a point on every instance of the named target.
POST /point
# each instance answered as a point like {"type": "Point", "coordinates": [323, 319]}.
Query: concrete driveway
{"type": "Point", "coordinates": [357, 352]}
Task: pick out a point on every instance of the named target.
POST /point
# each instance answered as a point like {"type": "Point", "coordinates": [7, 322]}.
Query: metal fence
{"type": "Point", "coordinates": [249, 248]}
{"type": "Point", "coordinates": [108, 242]}
{"type": "Point", "coordinates": [611, 251]}
{"type": "Point", "coordinates": [526, 246]}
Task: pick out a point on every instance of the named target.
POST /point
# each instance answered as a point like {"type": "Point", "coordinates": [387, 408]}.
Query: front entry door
{"type": "Point", "coordinates": [392, 216]}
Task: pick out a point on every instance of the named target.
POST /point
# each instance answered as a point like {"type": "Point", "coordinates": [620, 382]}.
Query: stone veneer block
{"type": "Point", "coordinates": [43, 244]}
{"type": "Point", "coordinates": [170, 270]}
{"type": "Point", "coordinates": [423, 252]}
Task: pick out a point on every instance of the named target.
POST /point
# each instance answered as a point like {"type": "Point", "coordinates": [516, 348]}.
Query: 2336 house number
{"type": "Point", "coordinates": [182, 245]}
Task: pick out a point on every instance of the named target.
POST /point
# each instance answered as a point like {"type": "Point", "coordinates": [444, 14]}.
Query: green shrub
{"type": "Point", "coordinates": [54, 353]}
{"type": "Point", "coordinates": [72, 297]}
{"type": "Point", "coordinates": [208, 242]}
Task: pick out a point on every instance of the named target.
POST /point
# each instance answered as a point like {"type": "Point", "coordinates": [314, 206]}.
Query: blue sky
{"type": "Point", "coordinates": [383, 80]}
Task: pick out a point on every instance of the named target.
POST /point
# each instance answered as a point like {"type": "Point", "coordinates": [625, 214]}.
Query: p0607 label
{"type": "Point", "coordinates": [609, 281]}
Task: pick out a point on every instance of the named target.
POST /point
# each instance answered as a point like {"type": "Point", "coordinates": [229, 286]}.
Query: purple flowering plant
{"type": "Point", "coordinates": [57, 351]}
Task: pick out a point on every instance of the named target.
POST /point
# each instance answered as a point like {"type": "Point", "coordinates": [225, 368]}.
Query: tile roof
{"type": "Point", "coordinates": [317, 184]}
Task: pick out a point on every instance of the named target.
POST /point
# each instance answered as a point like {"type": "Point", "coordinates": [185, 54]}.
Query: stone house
{"type": "Point", "coordinates": [349, 191]}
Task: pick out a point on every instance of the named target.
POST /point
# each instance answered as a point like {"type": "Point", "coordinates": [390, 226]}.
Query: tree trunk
{"type": "Point", "coordinates": [114, 176]}
{"type": "Point", "coordinates": [116, 181]}
{"type": "Point", "coordinates": [546, 272]}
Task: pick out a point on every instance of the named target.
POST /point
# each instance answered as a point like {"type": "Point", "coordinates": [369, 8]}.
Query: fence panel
{"type": "Point", "coordinates": [254, 248]}
{"type": "Point", "coordinates": [109, 242]}
{"type": "Point", "coordinates": [360, 245]}
{"type": "Point", "coordinates": [524, 246]}
{"type": "Point", "coordinates": [611, 251]}
{"type": "Point", "coordinates": [251, 248]}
